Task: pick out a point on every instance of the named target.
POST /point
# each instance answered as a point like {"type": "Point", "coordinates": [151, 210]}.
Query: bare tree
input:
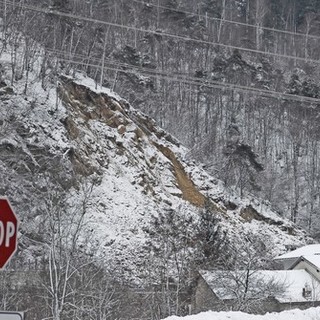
{"type": "Point", "coordinates": [70, 280]}
{"type": "Point", "coordinates": [246, 290]}
{"type": "Point", "coordinates": [8, 298]}
{"type": "Point", "coordinates": [170, 258]}
{"type": "Point", "coordinates": [241, 282]}
{"type": "Point", "coordinates": [96, 295]}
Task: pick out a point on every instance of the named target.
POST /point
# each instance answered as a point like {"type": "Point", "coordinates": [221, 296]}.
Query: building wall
{"type": "Point", "coordinates": [306, 266]}
{"type": "Point", "coordinates": [299, 305]}
{"type": "Point", "coordinates": [265, 306]}
{"type": "Point", "coordinates": [205, 299]}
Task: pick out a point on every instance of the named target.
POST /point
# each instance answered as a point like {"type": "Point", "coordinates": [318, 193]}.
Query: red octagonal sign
{"type": "Point", "coordinates": [8, 232]}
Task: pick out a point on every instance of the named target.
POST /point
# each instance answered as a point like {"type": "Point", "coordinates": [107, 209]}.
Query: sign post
{"type": "Point", "coordinates": [8, 246]}
{"type": "Point", "coordinates": [8, 315]}
{"type": "Point", "coordinates": [8, 232]}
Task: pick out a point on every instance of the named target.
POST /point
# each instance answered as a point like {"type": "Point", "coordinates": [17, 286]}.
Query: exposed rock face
{"type": "Point", "coordinates": [109, 133]}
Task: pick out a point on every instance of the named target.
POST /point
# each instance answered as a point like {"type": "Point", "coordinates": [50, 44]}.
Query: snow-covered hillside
{"type": "Point", "coordinates": [143, 169]}
{"type": "Point", "coordinates": [71, 151]}
{"type": "Point", "coordinates": [139, 169]}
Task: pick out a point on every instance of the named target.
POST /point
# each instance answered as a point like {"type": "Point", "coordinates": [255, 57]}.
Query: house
{"type": "Point", "coordinates": [295, 285]}
{"type": "Point", "coordinates": [305, 258]}
{"type": "Point", "coordinates": [255, 291]}
{"type": "Point", "coordinates": [289, 259]}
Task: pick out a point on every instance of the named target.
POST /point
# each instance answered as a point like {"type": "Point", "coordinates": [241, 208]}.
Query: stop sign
{"type": "Point", "coordinates": [8, 232]}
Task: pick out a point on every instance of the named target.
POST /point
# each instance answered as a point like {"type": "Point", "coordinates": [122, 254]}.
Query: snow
{"type": "Point", "coordinates": [83, 80]}
{"type": "Point", "coordinates": [295, 314]}
{"type": "Point", "coordinates": [312, 249]}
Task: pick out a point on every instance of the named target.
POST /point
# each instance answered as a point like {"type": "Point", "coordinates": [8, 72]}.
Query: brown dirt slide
{"type": "Point", "coordinates": [189, 191]}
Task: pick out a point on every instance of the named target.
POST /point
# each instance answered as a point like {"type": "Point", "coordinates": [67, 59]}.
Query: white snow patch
{"type": "Point", "coordinates": [83, 80]}
{"type": "Point", "coordinates": [295, 314]}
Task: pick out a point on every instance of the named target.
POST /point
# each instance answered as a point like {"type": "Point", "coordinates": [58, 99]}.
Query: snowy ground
{"type": "Point", "coordinates": [309, 314]}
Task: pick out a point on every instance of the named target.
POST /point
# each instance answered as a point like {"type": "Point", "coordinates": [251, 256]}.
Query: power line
{"type": "Point", "coordinates": [228, 21]}
{"type": "Point", "coordinates": [187, 78]}
{"type": "Point", "coordinates": [183, 78]}
{"type": "Point", "coordinates": [159, 33]}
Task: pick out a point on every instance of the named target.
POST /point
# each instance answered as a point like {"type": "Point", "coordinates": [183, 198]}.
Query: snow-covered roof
{"type": "Point", "coordinates": [311, 249]}
{"type": "Point", "coordinates": [313, 259]}
{"type": "Point", "coordinates": [284, 285]}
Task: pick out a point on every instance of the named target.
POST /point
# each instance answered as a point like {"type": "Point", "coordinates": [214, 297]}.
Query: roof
{"type": "Point", "coordinates": [313, 260]}
{"type": "Point", "coordinates": [311, 249]}
{"type": "Point", "coordinates": [284, 285]}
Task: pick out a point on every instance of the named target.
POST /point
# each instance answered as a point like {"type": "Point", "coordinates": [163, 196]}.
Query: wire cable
{"type": "Point", "coordinates": [183, 78]}
{"type": "Point", "coordinates": [227, 21]}
{"type": "Point", "coordinates": [159, 33]}
{"type": "Point", "coordinates": [169, 76]}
